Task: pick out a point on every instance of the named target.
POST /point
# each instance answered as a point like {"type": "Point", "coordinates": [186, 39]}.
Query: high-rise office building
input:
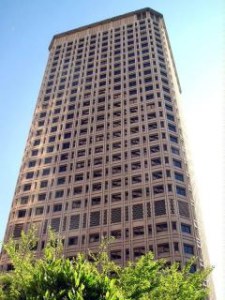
{"type": "Point", "coordinates": [105, 154]}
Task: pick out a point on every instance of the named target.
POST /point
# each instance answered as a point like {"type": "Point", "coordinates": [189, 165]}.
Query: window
{"type": "Point", "coordinates": [96, 186]}
{"type": "Point", "coordinates": [137, 210]}
{"type": "Point", "coordinates": [42, 197]}
{"type": "Point", "coordinates": [160, 208]}
{"type": "Point", "coordinates": [185, 228]}
{"type": "Point", "coordinates": [55, 223]}
{"type": "Point", "coordinates": [116, 183]}
{"type": "Point", "coordinates": [173, 139]}
{"type": "Point", "coordinates": [116, 234]}
{"type": "Point", "coordinates": [99, 149]}
{"type": "Point", "coordinates": [188, 249]}
{"type": "Point", "coordinates": [135, 153]}
{"type": "Point", "coordinates": [62, 168]}
{"type": "Point", "coordinates": [73, 240]}
{"type": "Point", "coordinates": [116, 169]}
{"type": "Point", "coordinates": [163, 248]}
{"type": "Point", "coordinates": [172, 127]}
{"type": "Point", "coordinates": [94, 218]}
{"type": "Point", "coordinates": [153, 137]}
{"type": "Point", "coordinates": [61, 180]}
{"type": "Point", "coordinates": [115, 254]}
{"type": "Point", "coordinates": [183, 209]}
{"type": "Point", "coordinates": [161, 227]}
{"type": "Point", "coordinates": [116, 215]}
{"type": "Point", "coordinates": [57, 207]}
{"type": "Point", "coordinates": [176, 246]}
{"type": "Point", "coordinates": [74, 222]}
{"type": "Point", "coordinates": [169, 107]}
{"type": "Point", "coordinates": [79, 177]}
{"type": "Point", "coordinates": [29, 175]}
{"type": "Point", "coordinates": [138, 231]}
{"type": "Point", "coordinates": [76, 204]}
{"type": "Point", "coordinates": [59, 193]}
{"type": "Point", "coordinates": [116, 197]}
{"type": "Point", "coordinates": [181, 191]}
{"type": "Point", "coordinates": [157, 189]}
{"type": "Point", "coordinates": [157, 175]}
{"type": "Point", "coordinates": [24, 200]}
{"type": "Point", "coordinates": [77, 190]}
{"type": "Point", "coordinates": [80, 164]}
{"type": "Point", "coordinates": [175, 151]}
{"type": "Point", "coordinates": [34, 153]}
{"type": "Point", "coordinates": [179, 176]}
{"type": "Point", "coordinates": [136, 179]}
{"type": "Point", "coordinates": [151, 116]}
{"type": "Point", "coordinates": [37, 142]}
{"type": "Point", "coordinates": [135, 165]}
{"type": "Point", "coordinates": [51, 139]}
{"type": "Point", "coordinates": [39, 210]}
{"type": "Point", "coordinates": [17, 230]}
{"type": "Point", "coordinates": [152, 126]}
{"type": "Point", "coordinates": [46, 172]}
{"type": "Point", "coordinates": [31, 163]}
{"type": "Point", "coordinates": [170, 117]}
{"type": "Point", "coordinates": [96, 201]}
{"type": "Point", "coordinates": [48, 160]}
{"type": "Point", "coordinates": [139, 251]}
{"type": "Point", "coordinates": [94, 237]}
{"type": "Point", "coordinates": [65, 146]}
{"type": "Point", "coordinates": [80, 153]}
{"type": "Point", "coordinates": [136, 193]}
{"type": "Point", "coordinates": [21, 213]}
{"type": "Point", "coordinates": [177, 163]}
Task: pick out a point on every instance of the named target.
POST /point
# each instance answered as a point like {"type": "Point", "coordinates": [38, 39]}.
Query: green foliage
{"type": "Point", "coordinates": [54, 277]}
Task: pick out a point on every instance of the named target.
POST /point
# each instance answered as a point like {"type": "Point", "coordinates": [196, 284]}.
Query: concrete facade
{"type": "Point", "coordinates": [105, 154]}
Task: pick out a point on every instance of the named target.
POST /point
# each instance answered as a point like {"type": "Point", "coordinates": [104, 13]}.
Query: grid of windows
{"type": "Point", "coordinates": [105, 145]}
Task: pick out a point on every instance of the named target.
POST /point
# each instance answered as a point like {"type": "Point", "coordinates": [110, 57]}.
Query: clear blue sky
{"type": "Point", "coordinates": [195, 29]}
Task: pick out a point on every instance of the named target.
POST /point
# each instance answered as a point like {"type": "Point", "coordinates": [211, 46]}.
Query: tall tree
{"type": "Point", "coordinates": [54, 277]}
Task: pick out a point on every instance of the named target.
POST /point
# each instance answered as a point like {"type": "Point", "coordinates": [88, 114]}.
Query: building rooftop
{"type": "Point", "coordinates": [59, 35]}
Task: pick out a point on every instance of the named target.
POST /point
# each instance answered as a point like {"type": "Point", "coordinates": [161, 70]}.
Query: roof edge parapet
{"type": "Point", "coordinates": [59, 35]}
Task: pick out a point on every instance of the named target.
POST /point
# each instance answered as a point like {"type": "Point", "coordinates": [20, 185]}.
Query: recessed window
{"type": "Point", "coordinates": [188, 249]}
{"type": "Point", "coordinates": [46, 171]}
{"type": "Point", "coordinates": [27, 187]}
{"type": "Point", "coordinates": [173, 139]}
{"type": "Point", "coordinates": [76, 204]}
{"type": "Point", "coordinates": [39, 210]}
{"type": "Point", "coordinates": [29, 175]}
{"type": "Point", "coordinates": [94, 238]}
{"type": "Point", "coordinates": [181, 191]}
{"type": "Point", "coordinates": [79, 177]}
{"type": "Point", "coordinates": [61, 180]}
{"type": "Point", "coordinates": [22, 213]}
{"type": "Point", "coordinates": [42, 197]}
{"type": "Point", "coordinates": [138, 231]}
{"type": "Point", "coordinates": [24, 200]}
{"type": "Point", "coordinates": [177, 163]}
{"type": "Point", "coordinates": [161, 227]}
{"type": "Point", "coordinates": [179, 176]}
{"type": "Point", "coordinates": [160, 208]}
{"type": "Point", "coordinates": [175, 150]}
{"type": "Point", "coordinates": [57, 207]}
{"type": "Point", "coordinates": [59, 194]}
{"type": "Point", "coordinates": [115, 254]}
{"type": "Point", "coordinates": [32, 163]}
{"type": "Point", "coordinates": [163, 248]}
{"type": "Point", "coordinates": [73, 240]}
{"type": "Point", "coordinates": [185, 228]}
{"type": "Point", "coordinates": [43, 184]}
{"type": "Point", "coordinates": [62, 168]}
